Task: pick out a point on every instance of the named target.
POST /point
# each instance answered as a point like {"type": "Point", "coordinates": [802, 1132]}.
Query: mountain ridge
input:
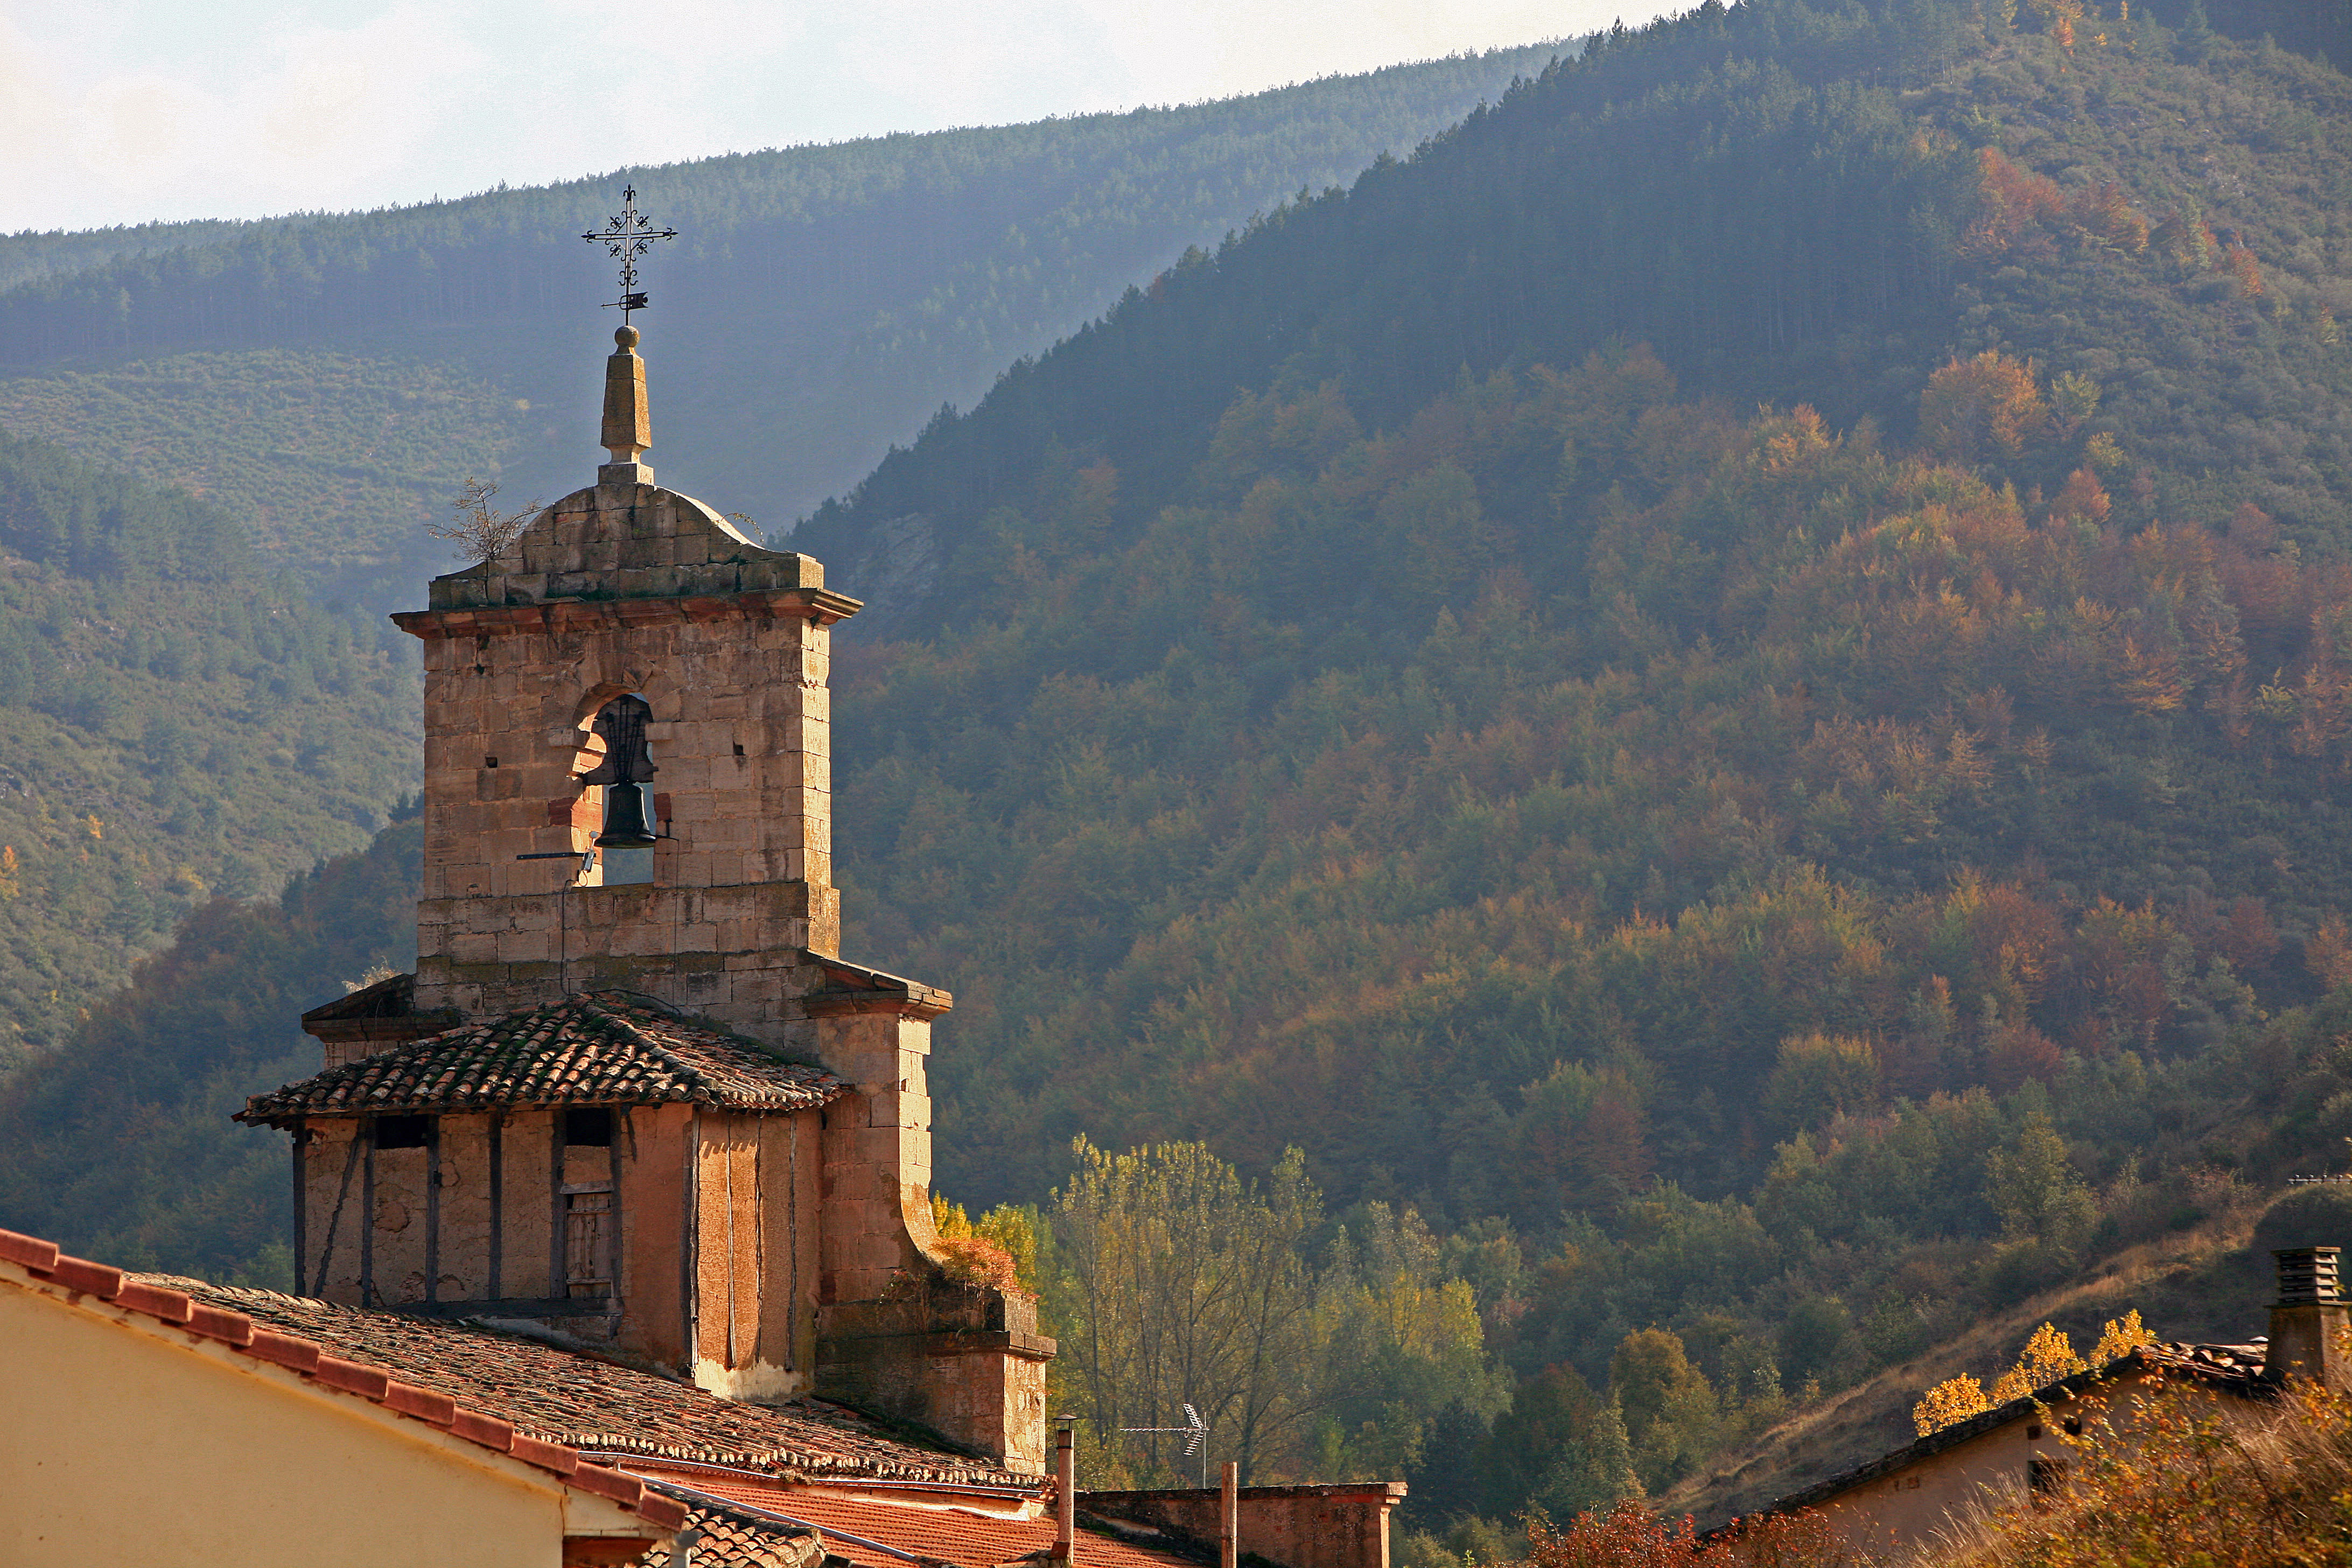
{"type": "Point", "coordinates": [820, 300]}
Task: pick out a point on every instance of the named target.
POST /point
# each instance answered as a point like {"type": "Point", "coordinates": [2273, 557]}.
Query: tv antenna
{"type": "Point", "coordinates": [628, 235]}
{"type": "Point", "coordinates": [1196, 1437]}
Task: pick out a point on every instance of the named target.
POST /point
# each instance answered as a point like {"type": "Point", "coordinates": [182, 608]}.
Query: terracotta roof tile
{"type": "Point", "coordinates": [166, 1302]}
{"type": "Point", "coordinates": [730, 1537]}
{"type": "Point", "coordinates": [603, 1049]}
{"type": "Point", "coordinates": [876, 1533]}
{"type": "Point", "coordinates": [569, 1395]}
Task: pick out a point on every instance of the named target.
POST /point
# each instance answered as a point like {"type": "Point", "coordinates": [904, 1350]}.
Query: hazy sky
{"type": "Point", "coordinates": [131, 110]}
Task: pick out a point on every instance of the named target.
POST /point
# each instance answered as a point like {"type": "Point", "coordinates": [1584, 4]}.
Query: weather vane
{"type": "Point", "coordinates": [628, 236]}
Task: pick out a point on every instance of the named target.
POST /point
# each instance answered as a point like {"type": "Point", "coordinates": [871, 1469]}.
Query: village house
{"type": "Point", "coordinates": [1904, 1498]}
{"type": "Point", "coordinates": [613, 1236]}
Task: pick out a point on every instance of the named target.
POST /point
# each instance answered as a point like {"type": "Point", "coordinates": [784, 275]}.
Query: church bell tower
{"type": "Point", "coordinates": [627, 611]}
{"type": "Point", "coordinates": [632, 1092]}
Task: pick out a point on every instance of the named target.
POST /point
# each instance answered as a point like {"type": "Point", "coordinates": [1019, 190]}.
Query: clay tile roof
{"type": "Point", "coordinates": [2213, 1364]}
{"type": "Point", "coordinates": [185, 1309]}
{"type": "Point", "coordinates": [877, 1532]}
{"type": "Point", "coordinates": [603, 1049]}
{"type": "Point", "coordinates": [567, 1393]}
{"type": "Point", "coordinates": [730, 1537]}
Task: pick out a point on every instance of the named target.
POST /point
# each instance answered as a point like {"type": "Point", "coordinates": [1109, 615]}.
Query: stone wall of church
{"type": "Point", "coordinates": [897, 1330]}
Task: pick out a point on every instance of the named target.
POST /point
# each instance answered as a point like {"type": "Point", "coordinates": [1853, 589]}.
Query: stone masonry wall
{"type": "Point", "coordinates": [877, 1154]}
{"type": "Point", "coordinates": [895, 1333]}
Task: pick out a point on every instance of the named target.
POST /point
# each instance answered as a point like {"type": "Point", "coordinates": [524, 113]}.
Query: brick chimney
{"type": "Point", "coordinates": [2307, 1319]}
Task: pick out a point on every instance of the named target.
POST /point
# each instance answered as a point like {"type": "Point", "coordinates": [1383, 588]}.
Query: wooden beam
{"type": "Point", "coordinates": [498, 1206]}
{"type": "Point", "coordinates": [302, 1209]}
{"type": "Point", "coordinates": [432, 1208]}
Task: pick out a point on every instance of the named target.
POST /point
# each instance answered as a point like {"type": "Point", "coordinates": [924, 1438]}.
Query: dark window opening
{"type": "Point", "coordinates": [588, 1127]}
{"type": "Point", "coordinates": [739, 750]}
{"type": "Point", "coordinates": [2044, 1475]}
{"type": "Point", "coordinates": [2033, 1434]}
{"type": "Point", "coordinates": [402, 1131]}
{"type": "Point", "coordinates": [2074, 1426]}
{"type": "Point", "coordinates": [489, 762]}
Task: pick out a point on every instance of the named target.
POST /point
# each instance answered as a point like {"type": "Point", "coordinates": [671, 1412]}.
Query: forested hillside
{"type": "Point", "coordinates": [181, 726]}
{"type": "Point", "coordinates": [1800, 880]}
{"type": "Point", "coordinates": [1785, 203]}
{"type": "Point", "coordinates": [821, 302]}
{"type": "Point", "coordinates": [118, 1140]}
{"type": "Point", "coordinates": [1727, 697]}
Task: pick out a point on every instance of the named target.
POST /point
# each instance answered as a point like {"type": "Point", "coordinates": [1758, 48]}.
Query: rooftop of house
{"type": "Point", "coordinates": [444, 1405]}
{"type": "Point", "coordinates": [787, 1485]}
{"type": "Point", "coordinates": [880, 1532]}
{"type": "Point", "coordinates": [2227, 1368]}
{"type": "Point", "coordinates": [584, 1399]}
{"type": "Point", "coordinates": [605, 1048]}
{"type": "Point", "coordinates": [730, 1537]}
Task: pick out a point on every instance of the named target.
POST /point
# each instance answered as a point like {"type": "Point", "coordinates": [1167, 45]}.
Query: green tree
{"type": "Point", "coordinates": [1560, 1447]}
{"type": "Point", "coordinates": [1671, 1413]}
{"type": "Point", "coordinates": [1822, 1077]}
{"type": "Point", "coordinates": [1189, 1285]}
{"type": "Point", "coordinates": [2033, 1187]}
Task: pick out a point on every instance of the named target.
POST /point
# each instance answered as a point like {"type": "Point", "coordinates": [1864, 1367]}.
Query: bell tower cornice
{"type": "Point", "coordinates": [821, 606]}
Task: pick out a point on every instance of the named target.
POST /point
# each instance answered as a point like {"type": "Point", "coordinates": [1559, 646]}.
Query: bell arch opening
{"type": "Point", "coordinates": [622, 777]}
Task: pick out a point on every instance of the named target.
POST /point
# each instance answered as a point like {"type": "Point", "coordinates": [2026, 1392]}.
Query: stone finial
{"type": "Point", "coordinates": [628, 423]}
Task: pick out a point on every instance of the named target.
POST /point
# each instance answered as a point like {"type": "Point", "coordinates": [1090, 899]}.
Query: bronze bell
{"type": "Point", "coordinates": [625, 827]}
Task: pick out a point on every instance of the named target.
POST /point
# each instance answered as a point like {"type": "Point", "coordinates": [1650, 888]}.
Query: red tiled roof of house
{"type": "Point", "coordinates": [601, 1048]}
{"type": "Point", "coordinates": [573, 1395]}
{"type": "Point", "coordinates": [316, 1362]}
{"type": "Point", "coordinates": [880, 1532]}
{"type": "Point", "coordinates": [729, 1537]}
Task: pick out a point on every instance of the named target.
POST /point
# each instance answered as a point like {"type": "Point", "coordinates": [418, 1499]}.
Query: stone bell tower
{"type": "Point", "coordinates": [625, 591]}
{"type": "Point", "coordinates": [631, 1091]}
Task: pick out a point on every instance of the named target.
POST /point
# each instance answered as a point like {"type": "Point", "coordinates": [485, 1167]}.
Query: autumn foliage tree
{"type": "Point", "coordinates": [2047, 1357]}
{"type": "Point", "coordinates": [1977, 408]}
{"type": "Point", "coordinates": [1188, 1285]}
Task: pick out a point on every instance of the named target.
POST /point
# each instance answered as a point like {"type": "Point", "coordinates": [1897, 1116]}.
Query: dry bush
{"type": "Point", "coordinates": [2197, 1482]}
{"type": "Point", "coordinates": [479, 532]}
{"type": "Point", "coordinates": [976, 1260]}
{"type": "Point", "coordinates": [1631, 1536]}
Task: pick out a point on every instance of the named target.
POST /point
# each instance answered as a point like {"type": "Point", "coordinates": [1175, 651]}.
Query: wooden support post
{"type": "Point", "coordinates": [301, 1209]}
{"type": "Point", "coordinates": [558, 1264]}
{"type": "Point", "coordinates": [613, 1251]}
{"type": "Point", "coordinates": [497, 1287]}
{"type": "Point", "coordinates": [1229, 1515]}
{"type": "Point", "coordinates": [367, 1214]}
{"type": "Point", "coordinates": [433, 1208]}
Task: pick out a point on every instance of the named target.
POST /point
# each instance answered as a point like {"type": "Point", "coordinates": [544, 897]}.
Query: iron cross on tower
{"type": "Point", "coordinates": [629, 235]}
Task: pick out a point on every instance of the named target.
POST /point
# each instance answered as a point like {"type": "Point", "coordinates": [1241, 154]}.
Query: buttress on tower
{"type": "Point", "coordinates": [631, 1093]}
